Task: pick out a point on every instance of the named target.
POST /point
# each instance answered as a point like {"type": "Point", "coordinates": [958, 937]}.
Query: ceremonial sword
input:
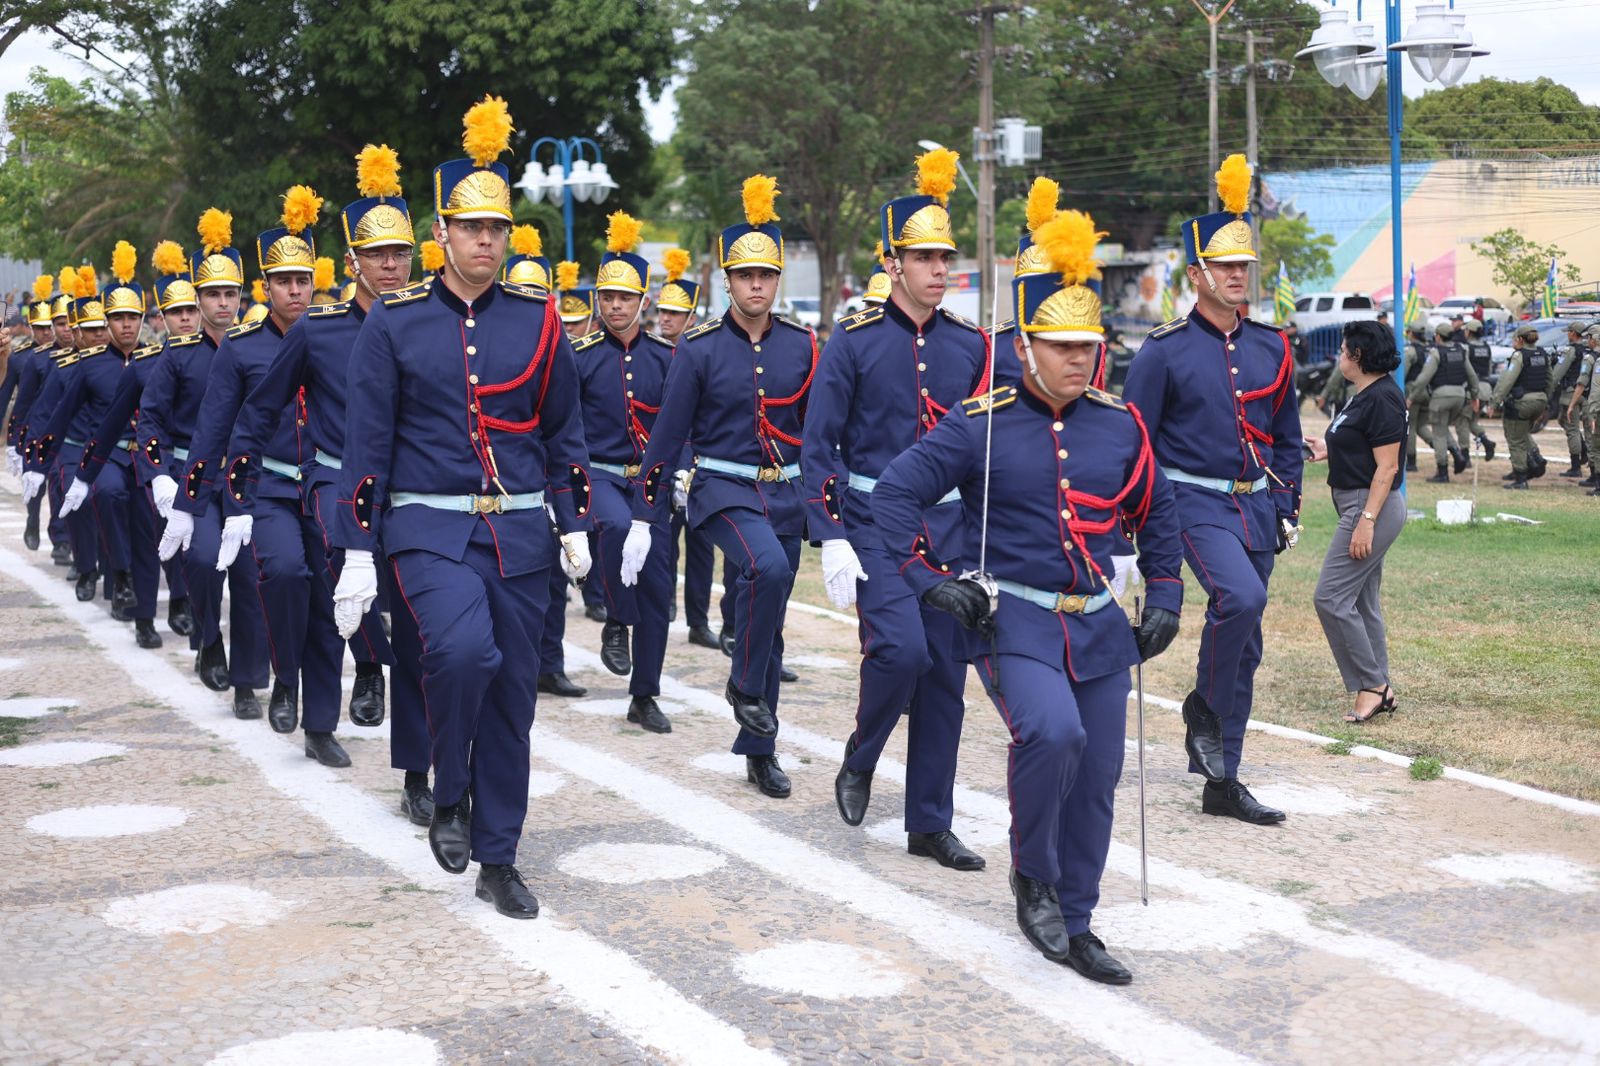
{"type": "Point", "coordinates": [1138, 674]}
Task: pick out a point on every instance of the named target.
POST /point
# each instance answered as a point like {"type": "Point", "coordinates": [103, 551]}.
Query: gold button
{"type": "Point", "coordinates": [473, 378]}
{"type": "Point", "coordinates": [1230, 347]}
{"type": "Point", "coordinates": [630, 394]}
{"type": "Point", "coordinates": [627, 359]}
{"type": "Point", "coordinates": [761, 370]}
{"type": "Point", "coordinates": [474, 434]}
{"type": "Point", "coordinates": [757, 347]}
{"type": "Point", "coordinates": [1066, 513]}
{"type": "Point", "coordinates": [1235, 370]}
{"type": "Point", "coordinates": [921, 367]}
{"type": "Point", "coordinates": [471, 322]}
{"type": "Point", "coordinates": [629, 376]}
{"type": "Point", "coordinates": [1056, 426]}
{"type": "Point", "coordinates": [924, 392]}
{"type": "Point", "coordinates": [1236, 392]}
{"type": "Point", "coordinates": [1064, 482]}
{"type": "Point", "coordinates": [761, 392]}
{"type": "Point", "coordinates": [921, 341]}
{"type": "Point", "coordinates": [924, 418]}
{"type": "Point", "coordinates": [472, 349]}
{"type": "Point", "coordinates": [361, 499]}
{"type": "Point", "coordinates": [473, 408]}
{"type": "Point", "coordinates": [1061, 453]}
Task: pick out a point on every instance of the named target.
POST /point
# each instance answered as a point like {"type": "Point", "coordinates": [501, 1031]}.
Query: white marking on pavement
{"type": "Point", "coordinates": [618, 709]}
{"type": "Point", "coordinates": [822, 970]}
{"type": "Point", "coordinates": [113, 820]}
{"type": "Point", "coordinates": [1174, 925]}
{"type": "Point", "coordinates": [1546, 871]}
{"type": "Point", "coordinates": [11, 664]}
{"type": "Point", "coordinates": [972, 834]}
{"type": "Point", "coordinates": [348, 1047]}
{"type": "Point", "coordinates": [1309, 799]}
{"type": "Point", "coordinates": [815, 662]}
{"type": "Point", "coordinates": [634, 863]}
{"type": "Point", "coordinates": [542, 783]}
{"type": "Point", "coordinates": [35, 707]}
{"type": "Point", "coordinates": [195, 910]}
{"type": "Point", "coordinates": [721, 762]}
{"type": "Point", "coordinates": [59, 753]}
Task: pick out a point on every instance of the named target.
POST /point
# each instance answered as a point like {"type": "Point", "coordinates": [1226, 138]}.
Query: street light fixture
{"type": "Point", "coordinates": [571, 178]}
{"type": "Point", "coordinates": [1432, 40]}
{"type": "Point", "coordinates": [1333, 45]}
{"type": "Point", "coordinates": [1364, 73]}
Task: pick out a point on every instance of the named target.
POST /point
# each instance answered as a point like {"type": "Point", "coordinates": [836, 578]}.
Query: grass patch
{"type": "Point", "coordinates": [1426, 768]}
{"type": "Point", "coordinates": [47, 784]}
{"type": "Point", "coordinates": [1292, 888]}
{"type": "Point", "coordinates": [352, 925]}
{"type": "Point", "coordinates": [1338, 747]}
{"type": "Point", "coordinates": [197, 781]}
{"type": "Point", "coordinates": [12, 730]}
{"type": "Point", "coordinates": [410, 886]}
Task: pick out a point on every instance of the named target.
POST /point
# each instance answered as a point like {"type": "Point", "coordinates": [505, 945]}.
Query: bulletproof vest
{"type": "Point", "coordinates": [1481, 357]}
{"type": "Point", "coordinates": [1414, 362]}
{"type": "Point", "coordinates": [1536, 366]}
{"type": "Point", "coordinates": [1452, 366]}
{"type": "Point", "coordinates": [1570, 381]}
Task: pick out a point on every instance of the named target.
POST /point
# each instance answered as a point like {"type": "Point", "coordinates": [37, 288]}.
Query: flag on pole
{"type": "Point", "coordinates": [1550, 290]}
{"type": "Point", "coordinates": [1283, 295]}
{"type": "Point", "coordinates": [1413, 299]}
{"type": "Point", "coordinates": [1169, 310]}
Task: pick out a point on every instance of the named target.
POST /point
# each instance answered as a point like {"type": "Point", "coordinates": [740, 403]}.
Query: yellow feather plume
{"type": "Point", "coordinates": [566, 274]}
{"type": "Point", "coordinates": [675, 261]}
{"type": "Point", "coordinates": [1042, 202]}
{"type": "Point", "coordinates": [378, 171]}
{"type": "Point", "coordinates": [877, 250]}
{"type": "Point", "coordinates": [168, 258]}
{"type": "Point", "coordinates": [67, 281]}
{"type": "Point", "coordinates": [525, 240]}
{"type": "Point", "coordinates": [759, 194]}
{"type": "Point", "coordinates": [1233, 184]}
{"type": "Point", "coordinates": [301, 206]}
{"type": "Point", "coordinates": [936, 173]}
{"type": "Point", "coordinates": [88, 280]}
{"type": "Point", "coordinates": [258, 291]}
{"type": "Point", "coordinates": [486, 130]}
{"type": "Point", "coordinates": [124, 261]}
{"type": "Point", "coordinates": [623, 232]}
{"type": "Point", "coordinates": [43, 286]}
{"type": "Point", "coordinates": [215, 229]}
{"type": "Point", "coordinates": [322, 273]}
{"type": "Point", "coordinates": [1068, 242]}
{"type": "Point", "coordinates": [432, 256]}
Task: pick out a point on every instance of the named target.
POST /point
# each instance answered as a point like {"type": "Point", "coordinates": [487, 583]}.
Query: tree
{"type": "Point", "coordinates": [1522, 266]}
{"type": "Point", "coordinates": [1495, 115]}
{"type": "Point", "coordinates": [1306, 255]}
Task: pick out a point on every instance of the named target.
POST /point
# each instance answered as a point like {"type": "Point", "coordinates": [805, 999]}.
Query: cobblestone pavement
{"type": "Point", "coordinates": [177, 886]}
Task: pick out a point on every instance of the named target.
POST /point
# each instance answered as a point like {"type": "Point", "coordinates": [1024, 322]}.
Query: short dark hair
{"type": "Point", "coordinates": [1371, 346]}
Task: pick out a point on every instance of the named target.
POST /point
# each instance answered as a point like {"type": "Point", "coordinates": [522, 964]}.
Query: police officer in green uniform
{"type": "Point", "coordinates": [1577, 360]}
{"type": "Point", "coordinates": [1466, 426]}
{"type": "Point", "coordinates": [1587, 400]}
{"type": "Point", "coordinates": [1415, 355]}
{"type": "Point", "coordinates": [1335, 393]}
{"type": "Point", "coordinates": [1521, 394]}
{"type": "Point", "coordinates": [1443, 384]}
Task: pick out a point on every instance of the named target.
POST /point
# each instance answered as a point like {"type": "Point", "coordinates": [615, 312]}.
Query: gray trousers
{"type": "Point", "coordinates": [1347, 592]}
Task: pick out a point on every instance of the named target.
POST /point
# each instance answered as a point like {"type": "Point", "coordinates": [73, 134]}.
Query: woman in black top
{"type": "Point", "coordinates": [1362, 447]}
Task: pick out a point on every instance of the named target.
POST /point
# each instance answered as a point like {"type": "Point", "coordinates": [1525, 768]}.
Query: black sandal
{"type": "Point", "coordinates": [1386, 705]}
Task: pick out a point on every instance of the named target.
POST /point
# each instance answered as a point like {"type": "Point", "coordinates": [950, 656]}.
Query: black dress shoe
{"type": "Point", "coordinates": [245, 704]}
{"type": "Point", "coordinates": [180, 617]}
{"type": "Point", "coordinates": [211, 664]}
{"type": "Point", "coordinates": [946, 849]}
{"type": "Point", "coordinates": [672, 612]}
{"type": "Point", "coordinates": [144, 633]}
{"type": "Point", "coordinates": [326, 750]}
{"type": "Point", "coordinates": [614, 649]}
{"type": "Point", "coordinates": [763, 772]}
{"type": "Point", "coordinates": [504, 887]}
{"type": "Point", "coordinates": [366, 698]}
{"type": "Point", "coordinates": [703, 636]}
{"type": "Point", "coordinates": [852, 789]}
{"type": "Point", "coordinates": [87, 584]}
{"type": "Point", "coordinates": [1232, 799]}
{"type": "Point", "coordinates": [1202, 737]}
{"type": "Point", "coordinates": [30, 533]}
{"type": "Point", "coordinates": [450, 835]}
{"type": "Point", "coordinates": [61, 555]}
{"type": "Point", "coordinates": [787, 676]}
{"type": "Point", "coordinates": [645, 713]}
{"type": "Point", "coordinates": [123, 598]}
{"type": "Point", "coordinates": [558, 684]}
{"type": "Point", "coordinates": [416, 799]}
{"type": "Point", "coordinates": [72, 570]}
{"type": "Point", "coordinates": [283, 708]}
{"type": "Point", "coordinates": [1087, 955]}
{"type": "Point", "coordinates": [725, 642]}
{"type": "Point", "coordinates": [594, 612]}
{"type": "Point", "coordinates": [1039, 916]}
{"type": "Point", "coordinates": [752, 713]}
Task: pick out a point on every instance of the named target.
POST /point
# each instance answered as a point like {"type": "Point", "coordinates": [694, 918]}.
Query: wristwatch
{"type": "Point", "coordinates": [1369, 516]}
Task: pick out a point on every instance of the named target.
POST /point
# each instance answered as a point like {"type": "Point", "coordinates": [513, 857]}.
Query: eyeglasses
{"type": "Point", "coordinates": [475, 228]}
{"type": "Point", "coordinates": [384, 256]}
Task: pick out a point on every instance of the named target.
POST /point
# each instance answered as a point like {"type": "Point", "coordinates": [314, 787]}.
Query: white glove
{"type": "Point", "coordinates": [178, 534]}
{"type": "Point", "coordinates": [634, 552]}
{"type": "Point", "coordinates": [32, 485]}
{"type": "Point", "coordinates": [840, 572]}
{"type": "Point", "coordinates": [575, 560]}
{"type": "Point", "coordinates": [1123, 569]}
{"type": "Point", "coordinates": [235, 535]}
{"type": "Point", "coordinates": [357, 588]}
{"type": "Point", "coordinates": [163, 490]}
{"type": "Point", "coordinates": [680, 488]}
{"type": "Point", "coordinates": [77, 492]}
{"type": "Point", "coordinates": [14, 462]}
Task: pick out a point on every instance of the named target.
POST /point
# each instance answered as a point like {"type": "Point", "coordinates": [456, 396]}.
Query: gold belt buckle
{"type": "Point", "coordinates": [1070, 604]}
{"type": "Point", "coordinates": [1241, 487]}
{"type": "Point", "coordinates": [768, 473]}
{"type": "Point", "coordinates": [488, 505]}
{"type": "Point", "coordinates": [631, 470]}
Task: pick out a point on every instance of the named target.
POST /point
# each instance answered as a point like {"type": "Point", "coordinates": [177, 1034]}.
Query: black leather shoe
{"type": "Point", "coordinates": [1039, 917]}
{"type": "Point", "coordinates": [645, 713]}
{"type": "Point", "coordinates": [123, 598]}
{"type": "Point", "coordinates": [61, 555]}
{"type": "Point", "coordinates": [366, 698]}
{"type": "Point", "coordinates": [1232, 799]}
{"type": "Point", "coordinates": [752, 713]}
{"type": "Point", "coordinates": [283, 708]}
{"type": "Point", "coordinates": [416, 799]}
{"type": "Point", "coordinates": [763, 772]}
{"type": "Point", "coordinates": [245, 704]}
{"type": "Point", "coordinates": [852, 789]}
{"type": "Point", "coordinates": [72, 569]}
{"type": "Point", "coordinates": [504, 887]}
{"type": "Point", "coordinates": [450, 835]}
{"type": "Point", "coordinates": [614, 649]}
{"type": "Point", "coordinates": [558, 684]}
{"type": "Point", "coordinates": [1202, 737]}
{"type": "Point", "coordinates": [87, 583]}
{"type": "Point", "coordinates": [144, 633]}
{"type": "Point", "coordinates": [595, 612]}
{"type": "Point", "coordinates": [326, 750]}
{"type": "Point", "coordinates": [788, 676]}
{"type": "Point", "coordinates": [725, 642]}
{"type": "Point", "coordinates": [1087, 955]}
{"type": "Point", "coordinates": [211, 664]}
{"type": "Point", "coordinates": [703, 636]}
{"type": "Point", "coordinates": [946, 849]}
{"type": "Point", "coordinates": [672, 612]}
{"type": "Point", "coordinates": [180, 617]}
{"type": "Point", "coordinates": [30, 533]}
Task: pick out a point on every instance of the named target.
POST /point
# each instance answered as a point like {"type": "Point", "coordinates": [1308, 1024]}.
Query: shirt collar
{"type": "Point", "coordinates": [1205, 323]}
{"type": "Point", "coordinates": [895, 313]}
{"type": "Point", "coordinates": [733, 325]}
{"type": "Point", "coordinates": [455, 303]}
{"type": "Point", "coordinates": [1032, 401]}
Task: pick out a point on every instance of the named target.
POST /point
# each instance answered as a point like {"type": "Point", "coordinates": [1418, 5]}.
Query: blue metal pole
{"type": "Point", "coordinates": [564, 160]}
{"type": "Point", "coordinates": [1396, 104]}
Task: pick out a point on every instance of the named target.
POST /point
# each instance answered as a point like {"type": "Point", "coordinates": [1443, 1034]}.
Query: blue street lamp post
{"type": "Point", "coordinates": [571, 177]}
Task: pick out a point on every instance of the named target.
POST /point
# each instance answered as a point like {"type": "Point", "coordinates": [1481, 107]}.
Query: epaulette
{"type": "Point", "coordinates": [703, 328]}
{"type": "Point", "coordinates": [329, 310]}
{"type": "Point", "coordinates": [67, 360]}
{"type": "Point", "coordinates": [791, 325]}
{"type": "Point", "coordinates": [184, 340]}
{"type": "Point", "coordinates": [1002, 327]}
{"type": "Point", "coordinates": [959, 320]}
{"type": "Point", "coordinates": [85, 353]}
{"type": "Point", "coordinates": [864, 317]}
{"type": "Point", "coordinates": [147, 351]}
{"type": "Point", "coordinates": [658, 338]}
{"type": "Point", "coordinates": [1170, 327]}
{"type": "Point", "coordinates": [990, 401]}
{"type": "Point", "coordinates": [1101, 396]}
{"type": "Point", "coordinates": [524, 292]}
{"type": "Point", "coordinates": [413, 292]}
{"type": "Point", "coordinates": [588, 340]}
{"type": "Point", "coordinates": [244, 330]}
{"type": "Point", "coordinates": [21, 344]}
{"type": "Point", "coordinates": [60, 354]}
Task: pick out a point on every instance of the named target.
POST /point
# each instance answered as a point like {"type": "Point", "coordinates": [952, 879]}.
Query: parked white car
{"type": "Point", "coordinates": [1444, 310]}
{"type": "Point", "coordinates": [1332, 309]}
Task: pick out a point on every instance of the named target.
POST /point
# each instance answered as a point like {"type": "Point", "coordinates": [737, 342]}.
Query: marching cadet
{"type": "Point", "coordinates": [1216, 390]}
{"type": "Point", "coordinates": [462, 395]}
{"type": "Point", "coordinates": [1467, 426]}
{"type": "Point", "coordinates": [1445, 382]}
{"type": "Point", "coordinates": [1521, 394]}
{"type": "Point", "coordinates": [21, 379]}
{"type": "Point", "coordinates": [1062, 468]}
{"type": "Point", "coordinates": [577, 308]}
{"type": "Point", "coordinates": [885, 380]}
{"type": "Point", "coordinates": [1568, 378]}
{"type": "Point", "coordinates": [738, 389]}
{"type": "Point", "coordinates": [621, 373]}
{"type": "Point", "coordinates": [676, 307]}
{"type": "Point", "coordinates": [169, 411]}
{"type": "Point", "coordinates": [64, 347]}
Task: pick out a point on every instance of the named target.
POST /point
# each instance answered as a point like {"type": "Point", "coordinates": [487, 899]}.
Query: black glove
{"type": "Point", "coordinates": [1155, 632]}
{"type": "Point", "coordinates": [963, 598]}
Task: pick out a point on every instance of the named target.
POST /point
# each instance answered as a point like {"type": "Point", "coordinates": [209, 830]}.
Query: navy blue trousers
{"type": "Point", "coordinates": [301, 634]}
{"type": "Point", "coordinates": [764, 565]}
{"type": "Point", "coordinates": [1235, 581]}
{"type": "Point", "coordinates": [699, 554]}
{"type": "Point", "coordinates": [480, 675]}
{"type": "Point", "coordinates": [552, 657]}
{"type": "Point", "coordinates": [109, 498]}
{"type": "Point", "coordinates": [911, 664]}
{"type": "Point", "coordinates": [409, 746]}
{"type": "Point", "coordinates": [642, 607]}
{"type": "Point", "coordinates": [247, 629]}
{"type": "Point", "coordinates": [81, 533]}
{"type": "Point", "coordinates": [368, 645]}
{"type": "Point", "coordinates": [1064, 761]}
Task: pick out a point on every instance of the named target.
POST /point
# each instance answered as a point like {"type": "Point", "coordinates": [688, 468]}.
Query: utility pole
{"type": "Point", "coordinates": [1212, 16]}
{"type": "Point", "coordinates": [986, 152]}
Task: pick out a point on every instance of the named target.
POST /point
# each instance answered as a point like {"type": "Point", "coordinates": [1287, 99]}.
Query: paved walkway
{"type": "Point", "coordinates": [177, 886]}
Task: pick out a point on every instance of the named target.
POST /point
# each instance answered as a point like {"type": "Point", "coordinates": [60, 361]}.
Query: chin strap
{"type": "Point", "coordinates": [361, 277]}
{"type": "Point", "coordinates": [1033, 367]}
{"type": "Point", "coordinates": [1211, 281]}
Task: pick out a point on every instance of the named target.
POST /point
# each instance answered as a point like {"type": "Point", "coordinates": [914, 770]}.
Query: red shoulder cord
{"type": "Point", "coordinates": [1144, 474]}
{"type": "Point", "coordinates": [1277, 386]}
{"type": "Point", "coordinates": [542, 353]}
{"type": "Point", "coordinates": [765, 430]}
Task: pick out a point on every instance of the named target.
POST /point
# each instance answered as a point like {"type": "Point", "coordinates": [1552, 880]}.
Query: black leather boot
{"type": "Point", "coordinates": [283, 708]}
{"type": "Point", "coordinates": [614, 649]}
{"type": "Point", "coordinates": [211, 664]}
{"type": "Point", "coordinates": [1202, 737]}
{"type": "Point", "coordinates": [144, 633]}
{"type": "Point", "coordinates": [180, 617]}
{"type": "Point", "coordinates": [366, 698]}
